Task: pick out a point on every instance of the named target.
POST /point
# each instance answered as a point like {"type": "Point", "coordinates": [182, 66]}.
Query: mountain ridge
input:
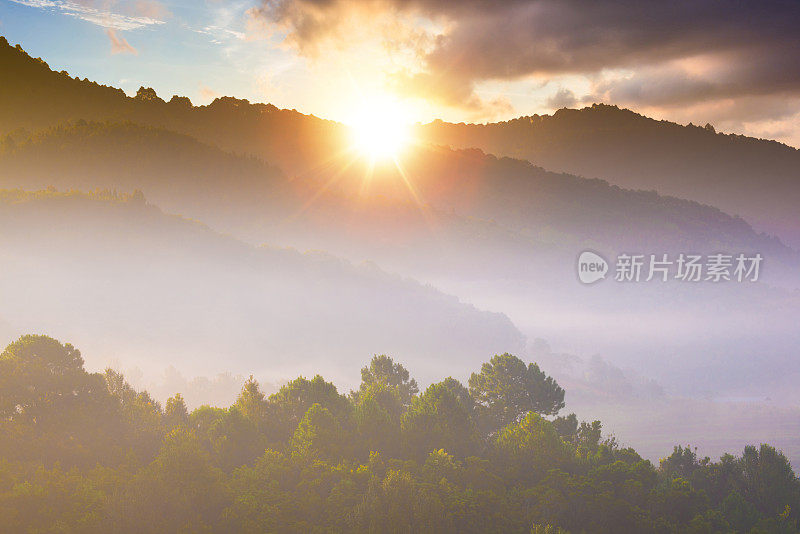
{"type": "Point", "coordinates": [754, 178]}
{"type": "Point", "coordinates": [302, 145]}
{"type": "Point", "coordinates": [246, 197]}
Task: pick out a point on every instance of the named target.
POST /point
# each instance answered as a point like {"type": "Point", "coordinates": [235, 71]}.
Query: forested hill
{"type": "Point", "coordinates": [742, 176]}
{"type": "Point", "coordinates": [32, 96]}
{"type": "Point", "coordinates": [754, 178]}
{"type": "Point", "coordinates": [85, 452]}
{"type": "Point", "coordinates": [186, 176]}
{"type": "Point", "coordinates": [121, 276]}
{"type": "Point", "coordinates": [176, 171]}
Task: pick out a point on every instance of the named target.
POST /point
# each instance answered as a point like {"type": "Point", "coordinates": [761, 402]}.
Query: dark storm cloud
{"type": "Point", "coordinates": [744, 73]}
{"type": "Point", "coordinates": [576, 36]}
{"type": "Point", "coordinates": [759, 42]}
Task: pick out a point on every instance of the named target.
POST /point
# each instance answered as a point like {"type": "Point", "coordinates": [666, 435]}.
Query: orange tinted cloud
{"type": "Point", "coordinates": [119, 45]}
{"type": "Point", "coordinates": [151, 9]}
{"type": "Point", "coordinates": [206, 93]}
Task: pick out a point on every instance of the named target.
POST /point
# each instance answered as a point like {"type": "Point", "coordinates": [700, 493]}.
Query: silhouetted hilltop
{"type": "Point", "coordinates": [35, 97]}
{"type": "Point", "coordinates": [754, 178]}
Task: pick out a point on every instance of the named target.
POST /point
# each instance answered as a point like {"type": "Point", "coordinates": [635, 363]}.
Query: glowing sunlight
{"type": "Point", "coordinates": [380, 129]}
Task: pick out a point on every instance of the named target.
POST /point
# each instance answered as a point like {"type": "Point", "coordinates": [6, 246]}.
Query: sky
{"type": "Point", "coordinates": [735, 65]}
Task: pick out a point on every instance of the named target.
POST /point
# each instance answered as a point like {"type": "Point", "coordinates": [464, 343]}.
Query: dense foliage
{"type": "Point", "coordinates": [85, 452]}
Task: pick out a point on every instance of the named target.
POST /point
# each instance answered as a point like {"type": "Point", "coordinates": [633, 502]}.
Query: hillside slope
{"type": "Point", "coordinates": [169, 291]}
{"type": "Point", "coordinates": [35, 97]}
{"type": "Point", "coordinates": [460, 192]}
{"type": "Point", "coordinates": [758, 180]}
{"type": "Point", "coordinates": [622, 147]}
{"type": "Point", "coordinates": [754, 178]}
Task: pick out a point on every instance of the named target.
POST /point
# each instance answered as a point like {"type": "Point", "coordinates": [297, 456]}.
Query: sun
{"type": "Point", "coordinates": [380, 129]}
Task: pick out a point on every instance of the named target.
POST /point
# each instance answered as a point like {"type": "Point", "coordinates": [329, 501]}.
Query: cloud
{"type": "Point", "coordinates": [152, 9]}
{"type": "Point", "coordinates": [119, 45]}
{"type": "Point", "coordinates": [41, 4]}
{"type": "Point", "coordinates": [443, 90]}
{"type": "Point", "coordinates": [563, 98]}
{"type": "Point", "coordinates": [679, 52]}
{"type": "Point", "coordinates": [765, 116]}
{"type": "Point", "coordinates": [257, 28]}
{"type": "Point", "coordinates": [207, 94]}
{"type": "Point", "coordinates": [749, 73]}
{"type": "Point", "coordinates": [142, 13]}
{"type": "Point", "coordinates": [219, 34]}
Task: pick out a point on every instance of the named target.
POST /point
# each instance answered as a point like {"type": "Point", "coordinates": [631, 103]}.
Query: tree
{"type": "Point", "coordinates": [527, 449]}
{"type": "Point", "coordinates": [740, 514]}
{"type": "Point", "coordinates": [319, 435]}
{"type": "Point", "coordinates": [383, 370]}
{"type": "Point", "coordinates": [142, 416]}
{"type": "Point", "coordinates": [676, 498]}
{"type": "Point", "coordinates": [37, 373]}
{"type": "Point", "coordinates": [505, 390]}
{"type": "Point", "coordinates": [769, 482]}
{"type": "Point", "coordinates": [399, 503]}
{"type": "Point", "coordinates": [377, 415]}
{"type": "Point", "coordinates": [264, 498]}
{"type": "Point", "coordinates": [53, 408]}
{"type": "Point", "coordinates": [681, 463]}
{"type": "Point", "coordinates": [567, 427]}
{"type": "Point", "coordinates": [147, 94]}
{"type": "Point", "coordinates": [181, 102]}
{"type": "Point", "coordinates": [546, 529]}
{"type": "Point", "coordinates": [234, 439]}
{"type": "Point", "coordinates": [438, 419]}
{"type": "Point", "coordinates": [460, 392]}
{"type": "Point", "coordinates": [50, 500]}
{"type": "Point", "coordinates": [253, 404]}
{"type": "Point", "coordinates": [589, 436]}
{"type": "Point", "coordinates": [83, 452]}
{"type": "Point", "coordinates": [175, 412]}
{"type": "Point", "coordinates": [586, 437]}
{"type": "Point", "coordinates": [293, 400]}
{"type": "Point", "coordinates": [179, 491]}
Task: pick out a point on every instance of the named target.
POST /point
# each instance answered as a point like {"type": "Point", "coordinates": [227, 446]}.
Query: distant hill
{"type": "Point", "coordinates": [754, 178]}
{"type": "Point", "coordinates": [174, 170]}
{"type": "Point", "coordinates": [312, 152]}
{"type": "Point", "coordinates": [32, 96]}
{"type": "Point", "coordinates": [464, 203]}
{"type": "Point", "coordinates": [106, 266]}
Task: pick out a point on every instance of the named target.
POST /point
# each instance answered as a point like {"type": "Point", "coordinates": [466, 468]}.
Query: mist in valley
{"type": "Point", "coordinates": [236, 239]}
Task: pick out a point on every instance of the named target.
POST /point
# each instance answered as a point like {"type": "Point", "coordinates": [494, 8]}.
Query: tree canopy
{"type": "Point", "coordinates": [505, 390]}
{"type": "Point", "coordinates": [86, 452]}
